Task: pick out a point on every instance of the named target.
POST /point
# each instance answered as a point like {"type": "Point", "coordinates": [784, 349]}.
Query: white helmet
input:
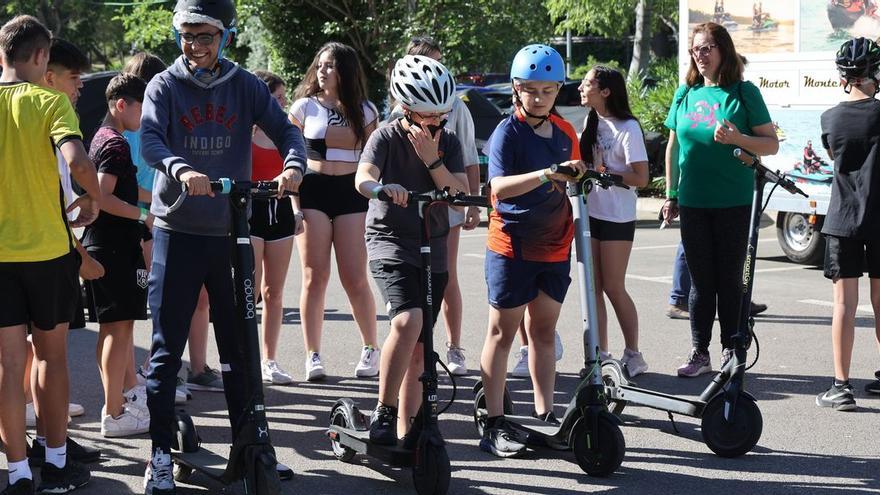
{"type": "Point", "coordinates": [422, 84]}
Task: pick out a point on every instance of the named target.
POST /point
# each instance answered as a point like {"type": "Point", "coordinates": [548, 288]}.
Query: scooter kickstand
{"type": "Point", "coordinates": [672, 420]}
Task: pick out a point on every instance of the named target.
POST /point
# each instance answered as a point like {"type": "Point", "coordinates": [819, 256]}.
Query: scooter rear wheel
{"type": "Point", "coordinates": [431, 474]}
{"type": "Point", "coordinates": [480, 412]}
{"type": "Point", "coordinates": [613, 377]}
{"type": "Point", "coordinates": [339, 417]}
{"type": "Point", "coordinates": [186, 437]}
{"type": "Point", "coordinates": [737, 437]}
{"type": "Point", "coordinates": [605, 459]}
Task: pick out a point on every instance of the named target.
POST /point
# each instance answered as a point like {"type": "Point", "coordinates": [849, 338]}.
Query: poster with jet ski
{"type": "Point", "coordinates": [755, 26]}
{"type": "Point", "coordinates": [825, 24]}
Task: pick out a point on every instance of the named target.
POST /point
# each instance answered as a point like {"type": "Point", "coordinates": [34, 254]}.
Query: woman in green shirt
{"type": "Point", "coordinates": [714, 112]}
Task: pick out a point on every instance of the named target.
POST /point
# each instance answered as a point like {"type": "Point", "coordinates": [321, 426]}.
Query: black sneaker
{"type": "Point", "coordinates": [501, 442]}
{"type": "Point", "coordinates": [838, 397]}
{"type": "Point", "coordinates": [23, 486]}
{"type": "Point", "coordinates": [37, 453]}
{"type": "Point", "coordinates": [547, 417]}
{"type": "Point", "coordinates": [383, 425]}
{"type": "Point", "coordinates": [874, 387]}
{"type": "Point", "coordinates": [757, 308]}
{"type": "Point", "coordinates": [62, 480]}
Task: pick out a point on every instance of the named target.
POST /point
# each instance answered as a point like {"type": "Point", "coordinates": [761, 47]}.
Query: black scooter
{"type": "Point", "coordinates": [424, 448]}
{"type": "Point", "coordinates": [252, 458]}
{"type": "Point", "coordinates": [731, 420]}
{"type": "Point", "coordinates": [587, 428]}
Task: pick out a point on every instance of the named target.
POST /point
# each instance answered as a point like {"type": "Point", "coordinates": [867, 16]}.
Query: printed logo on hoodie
{"type": "Point", "coordinates": [208, 114]}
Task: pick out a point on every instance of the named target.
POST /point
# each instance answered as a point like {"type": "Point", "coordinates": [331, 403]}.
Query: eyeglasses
{"type": "Point", "coordinates": [429, 116]}
{"type": "Point", "coordinates": [204, 39]}
{"type": "Point", "coordinates": [701, 50]}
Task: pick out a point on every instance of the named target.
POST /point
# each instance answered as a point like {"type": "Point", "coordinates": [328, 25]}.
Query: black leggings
{"type": "Point", "coordinates": [715, 248]}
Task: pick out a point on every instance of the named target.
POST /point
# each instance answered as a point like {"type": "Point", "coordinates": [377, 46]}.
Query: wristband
{"type": "Point", "coordinates": [542, 176]}
{"type": "Point", "coordinates": [375, 192]}
{"type": "Point", "coordinates": [671, 193]}
{"type": "Point", "coordinates": [435, 164]}
{"type": "Point", "coordinates": [144, 214]}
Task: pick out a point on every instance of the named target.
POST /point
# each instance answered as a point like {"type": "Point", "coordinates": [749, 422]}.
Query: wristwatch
{"type": "Point", "coordinates": [435, 164]}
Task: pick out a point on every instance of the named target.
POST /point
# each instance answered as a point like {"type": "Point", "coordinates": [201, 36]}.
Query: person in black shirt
{"type": "Point", "coordinates": [119, 297]}
{"type": "Point", "coordinates": [852, 226]}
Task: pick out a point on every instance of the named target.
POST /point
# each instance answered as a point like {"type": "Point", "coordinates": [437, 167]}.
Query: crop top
{"type": "Point", "coordinates": [326, 131]}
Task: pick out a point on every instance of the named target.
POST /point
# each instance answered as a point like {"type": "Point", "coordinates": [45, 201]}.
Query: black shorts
{"type": "Point", "coordinates": [335, 195]}
{"type": "Point", "coordinates": [402, 288]}
{"type": "Point", "coordinates": [604, 230]}
{"type": "Point", "coordinates": [121, 294]}
{"type": "Point", "coordinates": [851, 258]}
{"type": "Point", "coordinates": [40, 292]}
{"type": "Point", "coordinates": [272, 219]}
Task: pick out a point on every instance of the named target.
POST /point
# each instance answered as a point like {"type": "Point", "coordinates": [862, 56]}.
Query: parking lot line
{"type": "Point", "coordinates": [865, 308]}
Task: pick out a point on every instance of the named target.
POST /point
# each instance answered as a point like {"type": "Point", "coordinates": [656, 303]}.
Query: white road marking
{"type": "Point", "coordinates": [865, 308]}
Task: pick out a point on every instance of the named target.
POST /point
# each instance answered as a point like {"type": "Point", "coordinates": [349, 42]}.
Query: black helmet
{"type": "Point", "coordinates": [219, 13]}
{"type": "Point", "coordinates": [858, 58]}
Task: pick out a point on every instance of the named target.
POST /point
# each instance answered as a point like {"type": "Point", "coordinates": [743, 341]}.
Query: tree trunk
{"type": "Point", "coordinates": [641, 40]}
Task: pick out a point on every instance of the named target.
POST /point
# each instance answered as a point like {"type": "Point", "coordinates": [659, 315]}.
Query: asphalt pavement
{"type": "Point", "coordinates": [803, 449]}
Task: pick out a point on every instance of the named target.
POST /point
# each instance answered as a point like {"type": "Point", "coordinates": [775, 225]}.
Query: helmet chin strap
{"type": "Point", "coordinates": [541, 118]}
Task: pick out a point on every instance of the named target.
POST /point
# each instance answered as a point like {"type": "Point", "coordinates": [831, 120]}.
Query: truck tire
{"type": "Point", "coordinates": [801, 242]}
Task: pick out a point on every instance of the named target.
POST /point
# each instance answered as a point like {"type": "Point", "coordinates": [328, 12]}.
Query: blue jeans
{"type": "Point", "coordinates": [681, 279]}
{"type": "Point", "coordinates": [182, 263]}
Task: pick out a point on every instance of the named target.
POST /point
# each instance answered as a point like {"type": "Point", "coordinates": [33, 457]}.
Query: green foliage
{"type": "Point", "coordinates": [651, 103]}
{"type": "Point", "coordinates": [609, 18]}
{"type": "Point", "coordinates": [581, 70]}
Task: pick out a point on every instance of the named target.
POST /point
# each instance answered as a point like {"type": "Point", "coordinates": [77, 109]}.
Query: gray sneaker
{"type": "Point", "coordinates": [208, 380]}
{"type": "Point", "coordinates": [455, 360]}
{"type": "Point", "coordinates": [521, 368]}
{"type": "Point", "coordinates": [698, 363]}
{"type": "Point", "coordinates": [159, 479]}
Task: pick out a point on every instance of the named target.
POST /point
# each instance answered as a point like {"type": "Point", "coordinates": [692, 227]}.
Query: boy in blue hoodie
{"type": "Point", "coordinates": [196, 126]}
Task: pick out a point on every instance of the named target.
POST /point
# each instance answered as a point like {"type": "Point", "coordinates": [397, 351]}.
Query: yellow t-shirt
{"type": "Point", "coordinates": [33, 120]}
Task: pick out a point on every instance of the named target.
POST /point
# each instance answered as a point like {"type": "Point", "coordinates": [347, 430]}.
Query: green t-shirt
{"type": "Point", "coordinates": [710, 176]}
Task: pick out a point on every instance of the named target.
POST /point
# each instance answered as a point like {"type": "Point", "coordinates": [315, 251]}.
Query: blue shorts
{"type": "Point", "coordinates": [514, 282]}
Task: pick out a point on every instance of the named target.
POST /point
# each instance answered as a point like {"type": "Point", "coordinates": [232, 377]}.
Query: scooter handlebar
{"type": "Point", "coordinates": [752, 160]}
{"type": "Point", "coordinates": [604, 180]}
{"type": "Point", "coordinates": [259, 190]}
{"type": "Point", "coordinates": [459, 199]}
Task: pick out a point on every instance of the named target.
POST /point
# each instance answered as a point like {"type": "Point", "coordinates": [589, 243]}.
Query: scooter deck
{"type": "Point", "coordinates": [204, 461]}
{"type": "Point", "coordinates": [359, 441]}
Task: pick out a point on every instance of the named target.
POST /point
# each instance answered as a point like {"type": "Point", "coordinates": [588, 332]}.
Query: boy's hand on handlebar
{"type": "Point", "coordinates": [398, 194]}
{"type": "Point", "coordinates": [288, 180]}
{"type": "Point", "coordinates": [88, 210]}
{"type": "Point", "coordinates": [196, 184]}
{"type": "Point", "coordinates": [578, 165]}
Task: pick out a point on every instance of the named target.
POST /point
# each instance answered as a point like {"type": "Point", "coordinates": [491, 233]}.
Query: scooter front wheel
{"type": "Point", "coordinates": [266, 480]}
{"type": "Point", "coordinates": [432, 471]}
{"type": "Point", "coordinates": [339, 417]}
{"type": "Point", "coordinates": [736, 437]}
{"type": "Point", "coordinates": [598, 454]}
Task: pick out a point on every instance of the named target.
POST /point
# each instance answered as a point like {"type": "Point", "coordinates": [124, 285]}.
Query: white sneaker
{"type": "Point", "coordinates": [634, 362]}
{"type": "Point", "coordinates": [368, 365]}
{"type": "Point", "coordinates": [559, 349]}
{"type": "Point", "coordinates": [521, 368]}
{"type": "Point", "coordinates": [136, 397]}
{"type": "Point", "coordinates": [181, 392]}
{"type": "Point", "coordinates": [30, 415]}
{"type": "Point", "coordinates": [126, 424]}
{"type": "Point", "coordinates": [274, 374]}
{"type": "Point", "coordinates": [455, 360]}
{"type": "Point", "coordinates": [74, 410]}
{"type": "Point", "coordinates": [159, 475]}
{"type": "Point", "coordinates": [314, 367]}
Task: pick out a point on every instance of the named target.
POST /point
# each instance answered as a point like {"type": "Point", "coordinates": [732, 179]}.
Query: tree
{"type": "Point", "coordinates": [615, 19]}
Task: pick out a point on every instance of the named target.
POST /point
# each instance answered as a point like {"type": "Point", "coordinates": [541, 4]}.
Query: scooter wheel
{"type": "Point", "coordinates": [187, 438]}
{"type": "Point", "coordinates": [732, 438]}
{"type": "Point", "coordinates": [339, 417]}
{"type": "Point", "coordinates": [480, 412]}
{"type": "Point", "coordinates": [607, 457]}
{"type": "Point", "coordinates": [266, 477]}
{"type": "Point", "coordinates": [181, 473]}
{"type": "Point", "coordinates": [612, 377]}
{"type": "Point", "coordinates": [432, 472]}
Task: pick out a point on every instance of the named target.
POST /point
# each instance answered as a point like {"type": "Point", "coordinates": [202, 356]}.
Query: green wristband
{"type": "Point", "coordinates": [671, 194]}
{"type": "Point", "coordinates": [144, 214]}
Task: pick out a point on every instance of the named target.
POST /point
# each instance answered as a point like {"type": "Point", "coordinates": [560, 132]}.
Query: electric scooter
{"type": "Point", "coordinates": [587, 427]}
{"type": "Point", "coordinates": [730, 418]}
{"type": "Point", "coordinates": [423, 449]}
{"type": "Point", "coordinates": [252, 458]}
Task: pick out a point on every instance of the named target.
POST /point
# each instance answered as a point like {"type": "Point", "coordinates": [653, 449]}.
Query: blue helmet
{"type": "Point", "coordinates": [538, 63]}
